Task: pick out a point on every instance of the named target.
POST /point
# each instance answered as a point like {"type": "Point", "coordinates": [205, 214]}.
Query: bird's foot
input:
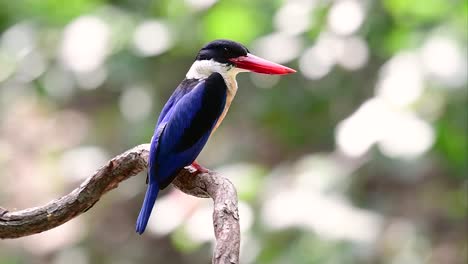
{"type": "Point", "coordinates": [199, 168]}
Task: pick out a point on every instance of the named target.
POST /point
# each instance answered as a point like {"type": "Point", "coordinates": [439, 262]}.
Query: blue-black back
{"type": "Point", "coordinates": [185, 125]}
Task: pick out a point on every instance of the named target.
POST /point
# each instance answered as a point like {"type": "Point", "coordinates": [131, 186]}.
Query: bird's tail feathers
{"type": "Point", "coordinates": [148, 203]}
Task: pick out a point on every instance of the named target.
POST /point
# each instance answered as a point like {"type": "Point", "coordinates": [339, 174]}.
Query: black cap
{"type": "Point", "coordinates": [221, 50]}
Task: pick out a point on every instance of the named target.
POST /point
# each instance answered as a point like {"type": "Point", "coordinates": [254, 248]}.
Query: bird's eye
{"type": "Point", "coordinates": [226, 49]}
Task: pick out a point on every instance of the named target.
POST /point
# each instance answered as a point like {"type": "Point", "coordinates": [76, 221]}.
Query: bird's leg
{"type": "Point", "coordinates": [199, 167]}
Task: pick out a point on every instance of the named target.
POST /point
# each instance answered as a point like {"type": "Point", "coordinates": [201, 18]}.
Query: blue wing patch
{"type": "Point", "coordinates": [185, 87]}
{"type": "Point", "coordinates": [189, 125]}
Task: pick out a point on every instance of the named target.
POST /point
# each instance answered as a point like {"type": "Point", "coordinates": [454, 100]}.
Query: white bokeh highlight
{"type": "Point", "coordinates": [293, 17]}
{"type": "Point", "coordinates": [80, 163]}
{"type": "Point", "coordinates": [135, 103]}
{"type": "Point", "coordinates": [198, 5]}
{"type": "Point", "coordinates": [278, 47]}
{"type": "Point", "coordinates": [401, 80]}
{"type": "Point", "coordinates": [354, 53]}
{"type": "Point", "coordinates": [398, 133]}
{"type": "Point", "coordinates": [91, 80]}
{"type": "Point", "coordinates": [85, 44]}
{"type": "Point", "coordinates": [152, 37]}
{"type": "Point", "coordinates": [408, 138]}
{"type": "Point", "coordinates": [329, 216]}
{"type": "Point", "coordinates": [31, 66]}
{"type": "Point", "coordinates": [168, 215]}
{"type": "Point", "coordinates": [444, 60]}
{"type": "Point", "coordinates": [357, 133]}
{"type": "Point", "coordinates": [18, 40]}
{"type": "Point", "coordinates": [346, 16]}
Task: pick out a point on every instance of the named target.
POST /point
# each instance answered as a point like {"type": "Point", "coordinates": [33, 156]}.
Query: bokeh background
{"type": "Point", "coordinates": [360, 157]}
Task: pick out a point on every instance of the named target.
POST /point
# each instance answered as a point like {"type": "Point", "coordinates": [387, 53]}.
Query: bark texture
{"type": "Point", "coordinates": [221, 190]}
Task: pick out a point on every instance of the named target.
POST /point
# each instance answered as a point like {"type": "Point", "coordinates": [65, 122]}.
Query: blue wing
{"type": "Point", "coordinates": [185, 87]}
{"type": "Point", "coordinates": [183, 129]}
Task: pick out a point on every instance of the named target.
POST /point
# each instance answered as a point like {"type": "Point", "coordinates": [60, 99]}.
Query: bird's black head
{"type": "Point", "coordinates": [227, 56]}
{"type": "Point", "coordinates": [222, 50]}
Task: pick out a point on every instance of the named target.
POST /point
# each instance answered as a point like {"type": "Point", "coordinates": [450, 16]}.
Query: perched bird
{"type": "Point", "coordinates": [194, 111]}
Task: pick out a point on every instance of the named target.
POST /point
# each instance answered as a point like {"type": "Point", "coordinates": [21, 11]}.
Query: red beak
{"type": "Point", "coordinates": [259, 65]}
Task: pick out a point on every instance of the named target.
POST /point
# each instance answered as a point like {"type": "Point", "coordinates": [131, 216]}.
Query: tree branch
{"type": "Point", "coordinates": [221, 190]}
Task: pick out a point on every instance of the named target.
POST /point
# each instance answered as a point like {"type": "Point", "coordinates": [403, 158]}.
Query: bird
{"type": "Point", "coordinates": [194, 111]}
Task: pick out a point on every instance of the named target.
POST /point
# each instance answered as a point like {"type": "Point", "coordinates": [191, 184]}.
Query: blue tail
{"type": "Point", "coordinates": [148, 203]}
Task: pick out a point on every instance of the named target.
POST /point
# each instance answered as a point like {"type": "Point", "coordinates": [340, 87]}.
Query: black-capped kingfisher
{"type": "Point", "coordinates": [194, 111]}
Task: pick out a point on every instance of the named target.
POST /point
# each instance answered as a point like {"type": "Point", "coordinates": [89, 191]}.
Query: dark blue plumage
{"type": "Point", "coordinates": [182, 131]}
